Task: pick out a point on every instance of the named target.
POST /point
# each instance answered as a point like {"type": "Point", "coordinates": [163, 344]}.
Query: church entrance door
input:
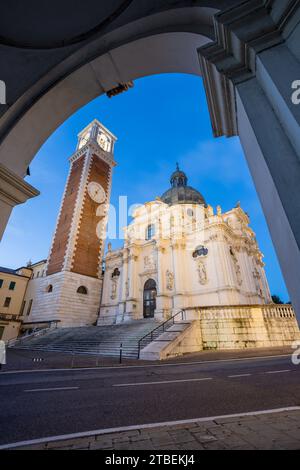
{"type": "Point", "coordinates": [149, 298]}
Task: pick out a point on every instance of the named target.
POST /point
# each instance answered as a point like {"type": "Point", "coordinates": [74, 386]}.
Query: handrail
{"type": "Point", "coordinates": [40, 332]}
{"type": "Point", "coordinates": [149, 336]}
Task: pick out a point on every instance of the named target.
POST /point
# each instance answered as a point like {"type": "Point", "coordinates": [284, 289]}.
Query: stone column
{"type": "Point", "coordinates": [161, 298]}
{"type": "Point", "coordinates": [178, 274]}
{"type": "Point", "coordinates": [132, 300]}
{"type": "Point", "coordinates": [248, 73]}
{"type": "Point", "coordinates": [124, 286]}
{"type": "Point", "coordinates": [275, 168]}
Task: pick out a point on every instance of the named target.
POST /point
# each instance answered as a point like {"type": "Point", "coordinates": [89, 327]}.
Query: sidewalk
{"type": "Point", "coordinates": [19, 359]}
{"type": "Point", "coordinates": [269, 431]}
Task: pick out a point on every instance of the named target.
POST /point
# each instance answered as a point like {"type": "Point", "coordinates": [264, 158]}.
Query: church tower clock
{"type": "Point", "coordinates": [74, 267]}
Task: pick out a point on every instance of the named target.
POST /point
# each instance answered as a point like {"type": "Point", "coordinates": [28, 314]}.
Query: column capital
{"type": "Point", "coordinates": [161, 246]}
{"type": "Point", "coordinates": [241, 33]}
{"type": "Point", "coordinates": [13, 189]}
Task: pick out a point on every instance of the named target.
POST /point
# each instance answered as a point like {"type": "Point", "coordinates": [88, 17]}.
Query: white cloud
{"type": "Point", "coordinates": [219, 160]}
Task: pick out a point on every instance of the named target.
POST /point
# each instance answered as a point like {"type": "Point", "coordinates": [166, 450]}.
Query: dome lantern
{"type": "Point", "coordinates": [180, 192]}
{"type": "Point", "coordinates": [178, 178]}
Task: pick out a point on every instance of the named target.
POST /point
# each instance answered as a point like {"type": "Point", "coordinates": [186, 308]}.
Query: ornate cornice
{"type": "Point", "coordinates": [97, 150]}
{"type": "Point", "coordinates": [13, 189]}
{"type": "Point", "coordinates": [241, 33]}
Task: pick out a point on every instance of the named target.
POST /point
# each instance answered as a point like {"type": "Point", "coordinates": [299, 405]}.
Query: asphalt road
{"type": "Point", "coordinates": [48, 403]}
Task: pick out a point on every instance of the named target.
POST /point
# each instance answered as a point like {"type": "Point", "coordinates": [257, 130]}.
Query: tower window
{"type": "Point", "coordinates": [7, 302]}
{"type": "Point", "coordinates": [12, 285]}
{"type": "Point", "coordinates": [150, 232]}
{"type": "Point", "coordinates": [1, 283]}
{"type": "Point", "coordinates": [22, 307]}
{"type": "Point", "coordinates": [82, 290]}
{"type": "Point", "coordinates": [29, 307]}
{"type": "Point", "coordinates": [49, 288]}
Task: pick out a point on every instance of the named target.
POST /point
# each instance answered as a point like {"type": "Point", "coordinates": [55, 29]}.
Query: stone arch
{"type": "Point", "coordinates": [82, 290]}
{"type": "Point", "coordinates": [243, 49]}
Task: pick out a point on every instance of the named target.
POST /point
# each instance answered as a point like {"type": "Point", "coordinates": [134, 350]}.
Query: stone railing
{"type": "Point", "coordinates": [224, 312]}
{"type": "Point", "coordinates": [278, 311]}
{"type": "Point", "coordinates": [52, 324]}
{"type": "Point", "coordinates": [240, 311]}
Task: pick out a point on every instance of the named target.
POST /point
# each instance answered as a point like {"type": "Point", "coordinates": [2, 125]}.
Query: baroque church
{"type": "Point", "coordinates": [179, 255]}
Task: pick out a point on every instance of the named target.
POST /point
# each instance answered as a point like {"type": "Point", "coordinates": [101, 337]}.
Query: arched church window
{"type": "Point", "coordinates": [150, 232]}
{"type": "Point", "coordinates": [82, 290]}
{"type": "Point", "coordinates": [49, 288]}
{"type": "Point", "coordinates": [115, 273]}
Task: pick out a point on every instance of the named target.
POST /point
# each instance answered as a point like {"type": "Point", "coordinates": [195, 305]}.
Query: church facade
{"type": "Point", "coordinates": [179, 253]}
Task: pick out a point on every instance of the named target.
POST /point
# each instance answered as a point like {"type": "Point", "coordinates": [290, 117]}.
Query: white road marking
{"type": "Point", "coordinates": [145, 366]}
{"type": "Point", "coordinates": [161, 382]}
{"type": "Point", "coordinates": [100, 432]}
{"type": "Point", "coordinates": [278, 371]}
{"type": "Point", "coordinates": [54, 389]}
{"type": "Point", "coordinates": [240, 375]}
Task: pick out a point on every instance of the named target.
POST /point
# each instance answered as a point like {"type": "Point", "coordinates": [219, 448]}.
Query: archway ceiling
{"type": "Point", "coordinates": [40, 78]}
{"type": "Point", "coordinates": [38, 25]}
{"type": "Point", "coordinates": [52, 24]}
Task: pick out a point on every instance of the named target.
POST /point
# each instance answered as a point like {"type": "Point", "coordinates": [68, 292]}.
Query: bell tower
{"type": "Point", "coordinates": [74, 267]}
{"type": "Point", "coordinates": [79, 236]}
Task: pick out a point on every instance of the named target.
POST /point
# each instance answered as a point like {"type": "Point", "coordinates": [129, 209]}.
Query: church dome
{"type": "Point", "coordinates": [180, 192]}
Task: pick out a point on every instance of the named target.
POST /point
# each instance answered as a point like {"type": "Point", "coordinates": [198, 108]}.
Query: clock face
{"type": "Point", "coordinates": [96, 192]}
{"type": "Point", "coordinates": [104, 142]}
{"type": "Point", "coordinates": [84, 139]}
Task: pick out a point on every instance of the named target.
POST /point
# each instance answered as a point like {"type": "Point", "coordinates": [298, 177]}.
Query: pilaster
{"type": "Point", "coordinates": [13, 191]}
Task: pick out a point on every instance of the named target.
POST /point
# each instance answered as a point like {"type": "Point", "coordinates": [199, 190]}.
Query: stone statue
{"type": "Point", "coordinates": [202, 273]}
{"type": "Point", "coordinates": [236, 267]}
{"type": "Point", "coordinates": [114, 284]}
{"type": "Point", "coordinates": [127, 289]}
{"type": "Point", "coordinates": [170, 280]}
{"type": "Point", "coordinates": [149, 262]}
{"type": "Point", "coordinates": [257, 280]}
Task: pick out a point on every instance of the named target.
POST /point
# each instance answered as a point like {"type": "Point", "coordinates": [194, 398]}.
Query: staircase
{"type": "Point", "coordinates": [92, 340]}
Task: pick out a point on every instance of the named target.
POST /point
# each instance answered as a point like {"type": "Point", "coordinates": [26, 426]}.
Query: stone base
{"type": "Point", "coordinates": [225, 328]}
{"type": "Point", "coordinates": [64, 303]}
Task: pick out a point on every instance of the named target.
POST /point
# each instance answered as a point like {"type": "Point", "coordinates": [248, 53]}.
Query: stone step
{"type": "Point", "coordinates": [99, 341]}
{"type": "Point", "coordinates": [102, 341]}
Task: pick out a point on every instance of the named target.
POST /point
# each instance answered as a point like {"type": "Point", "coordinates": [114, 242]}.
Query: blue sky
{"type": "Point", "coordinates": [162, 120]}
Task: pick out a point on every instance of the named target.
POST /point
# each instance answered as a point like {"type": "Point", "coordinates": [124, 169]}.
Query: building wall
{"type": "Point", "coordinates": [9, 330]}
{"type": "Point", "coordinates": [64, 223]}
{"type": "Point", "coordinates": [38, 273]}
{"type": "Point", "coordinates": [87, 251]}
{"type": "Point", "coordinates": [16, 295]}
{"type": "Point", "coordinates": [10, 316]}
{"type": "Point", "coordinates": [63, 303]}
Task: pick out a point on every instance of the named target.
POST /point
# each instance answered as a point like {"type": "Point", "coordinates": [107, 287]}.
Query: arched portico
{"type": "Point", "coordinates": [242, 48]}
